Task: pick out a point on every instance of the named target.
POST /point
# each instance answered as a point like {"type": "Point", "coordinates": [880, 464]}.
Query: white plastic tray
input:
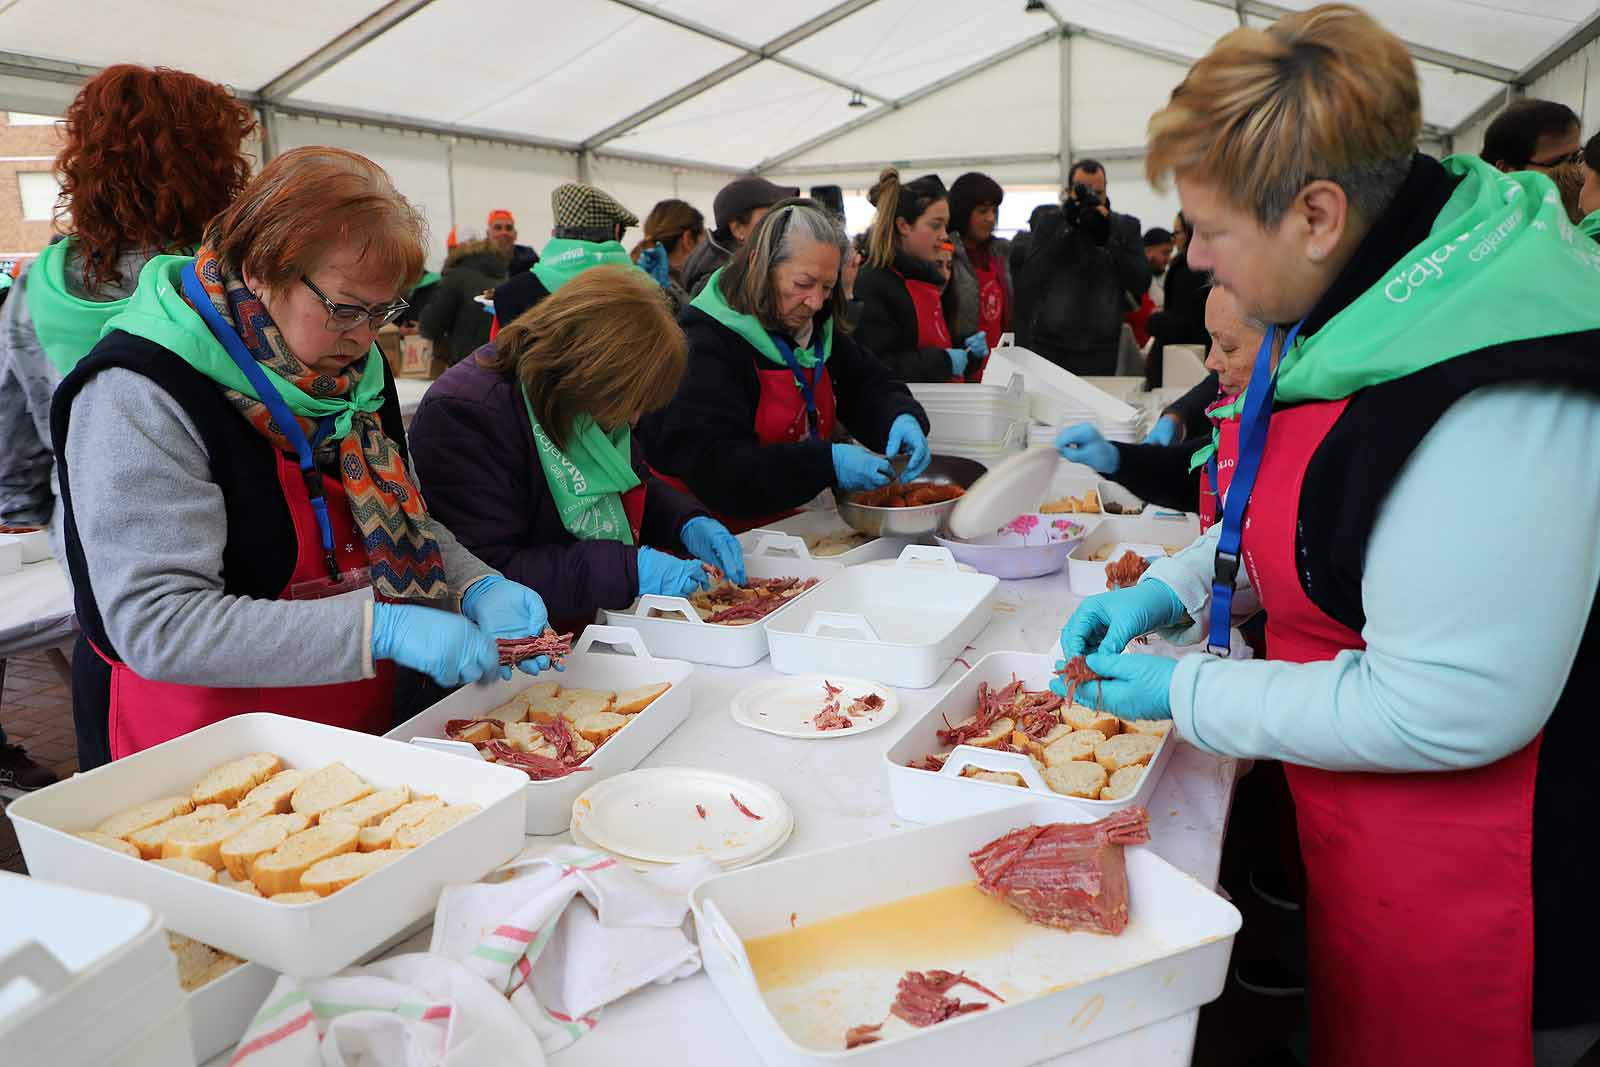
{"type": "Point", "coordinates": [1068, 990]}
{"type": "Point", "coordinates": [686, 636]}
{"type": "Point", "coordinates": [1156, 529]}
{"type": "Point", "coordinates": [304, 940]}
{"type": "Point", "coordinates": [818, 523]}
{"type": "Point", "coordinates": [901, 625]}
{"type": "Point", "coordinates": [1046, 382]}
{"type": "Point", "coordinates": [925, 796]}
{"type": "Point", "coordinates": [549, 803]}
{"type": "Point", "coordinates": [220, 1011]}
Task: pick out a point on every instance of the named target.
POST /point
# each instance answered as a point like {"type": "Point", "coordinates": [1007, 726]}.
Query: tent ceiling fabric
{"type": "Point", "coordinates": [767, 83]}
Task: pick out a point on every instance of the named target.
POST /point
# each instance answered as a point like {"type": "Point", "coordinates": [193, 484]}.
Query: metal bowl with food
{"type": "Point", "coordinates": [913, 521]}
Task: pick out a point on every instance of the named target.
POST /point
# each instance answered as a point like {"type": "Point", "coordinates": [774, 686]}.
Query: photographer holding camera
{"type": "Point", "coordinates": [1082, 269]}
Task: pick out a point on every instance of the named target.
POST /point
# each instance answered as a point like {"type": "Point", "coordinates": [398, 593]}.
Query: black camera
{"type": "Point", "coordinates": [1081, 213]}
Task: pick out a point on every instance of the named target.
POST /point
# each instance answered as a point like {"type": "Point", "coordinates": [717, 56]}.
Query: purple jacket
{"type": "Point", "coordinates": [473, 452]}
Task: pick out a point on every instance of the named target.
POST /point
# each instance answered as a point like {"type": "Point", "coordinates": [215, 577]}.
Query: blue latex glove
{"type": "Point", "coordinates": [905, 435]}
{"type": "Point", "coordinates": [958, 361]}
{"type": "Point", "coordinates": [503, 608]}
{"type": "Point", "coordinates": [1136, 686]}
{"type": "Point", "coordinates": [447, 647]}
{"type": "Point", "coordinates": [1082, 443]}
{"type": "Point", "coordinates": [653, 261]}
{"type": "Point", "coordinates": [710, 542]}
{"type": "Point", "coordinates": [977, 345]}
{"type": "Point", "coordinates": [855, 469]}
{"type": "Point", "coordinates": [1106, 622]}
{"type": "Point", "coordinates": [1165, 432]}
{"type": "Point", "coordinates": [667, 575]}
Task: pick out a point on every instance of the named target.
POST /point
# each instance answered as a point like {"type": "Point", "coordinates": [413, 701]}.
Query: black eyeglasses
{"type": "Point", "coordinates": [342, 317]}
{"type": "Point", "coordinates": [1550, 164]}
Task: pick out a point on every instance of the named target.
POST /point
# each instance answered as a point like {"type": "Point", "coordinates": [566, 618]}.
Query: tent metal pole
{"type": "Point", "coordinates": [1064, 101]}
{"type": "Point", "coordinates": [342, 47]}
{"type": "Point", "coordinates": [269, 132]}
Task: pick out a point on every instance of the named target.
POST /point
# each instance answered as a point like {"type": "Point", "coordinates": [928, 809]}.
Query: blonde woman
{"type": "Point", "coordinates": [1431, 689]}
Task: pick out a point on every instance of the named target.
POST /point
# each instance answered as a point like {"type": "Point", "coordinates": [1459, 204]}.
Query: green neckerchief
{"type": "Point", "coordinates": [158, 312]}
{"type": "Point", "coordinates": [67, 326]}
{"type": "Point", "coordinates": [564, 259]}
{"type": "Point", "coordinates": [429, 277]}
{"type": "Point", "coordinates": [588, 477]}
{"type": "Point", "coordinates": [1219, 413]}
{"type": "Point", "coordinates": [1590, 226]}
{"type": "Point", "coordinates": [749, 327]}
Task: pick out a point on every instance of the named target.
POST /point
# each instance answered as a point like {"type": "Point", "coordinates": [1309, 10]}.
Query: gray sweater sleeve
{"type": "Point", "coordinates": [27, 378]}
{"type": "Point", "coordinates": [153, 529]}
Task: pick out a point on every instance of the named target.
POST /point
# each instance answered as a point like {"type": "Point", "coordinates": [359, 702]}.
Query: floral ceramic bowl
{"type": "Point", "coordinates": [1029, 546]}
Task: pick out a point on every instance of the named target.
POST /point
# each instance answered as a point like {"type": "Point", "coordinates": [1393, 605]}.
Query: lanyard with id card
{"type": "Point", "coordinates": [807, 386]}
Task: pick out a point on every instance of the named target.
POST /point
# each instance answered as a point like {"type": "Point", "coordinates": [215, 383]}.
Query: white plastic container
{"type": "Point", "coordinates": [1151, 534]}
{"type": "Point", "coordinates": [305, 940]}
{"type": "Point", "coordinates": [928, 796]}
{"type": "Point", "coordinates": [901, 625]}
{"type": "Point", "coordinates": [549, 803]}
{"type": "Point", "coordinates": [10, 554]}
{"type": "Point", "coordinates": [682, 634]}
{"type": "Point", "coordinates": [35, 542]}
{"type": "Point", "coordinates": [85, 978]}
{"type": "Point", "coordinates": [1070, 990]}
{"type": "Point", "coordinates": [1009, 396]}
{"type": "Point", "coordinates": [1109, 492]}
{"type": "Point", "coordinates": [1052, 390]}
{"type": "Point", "coordinates": [220, 1011]}
{"type": "Point", "coordinates": [810, 525]}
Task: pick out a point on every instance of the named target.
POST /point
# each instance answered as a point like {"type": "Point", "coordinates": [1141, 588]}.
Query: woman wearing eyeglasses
{"type": "Point", "coordinates": [242, 528]}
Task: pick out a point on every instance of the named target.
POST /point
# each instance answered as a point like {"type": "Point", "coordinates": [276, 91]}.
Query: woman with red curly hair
{"type": "Point", "coordinates": [150, 157]}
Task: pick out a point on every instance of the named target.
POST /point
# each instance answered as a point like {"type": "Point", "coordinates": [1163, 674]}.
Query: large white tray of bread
{"type": "Point", "coordinates": [1093, 761]}
{"type": "Point", "coordinates": [619, 707]}
{"type": "Point", "coordinates": [207, 829]}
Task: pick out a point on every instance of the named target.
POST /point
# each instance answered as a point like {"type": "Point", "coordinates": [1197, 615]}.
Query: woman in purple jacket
{"type": "Point", "coordinates": [525, 451]}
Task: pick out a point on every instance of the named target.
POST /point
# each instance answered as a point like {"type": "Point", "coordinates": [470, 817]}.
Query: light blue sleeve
{"type": "Point", "coordinates": [1481, 576]}
{"type": "Point", "coordinates": [1189, 574]}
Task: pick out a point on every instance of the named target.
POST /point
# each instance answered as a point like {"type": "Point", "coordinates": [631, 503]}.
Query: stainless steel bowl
{"type": "Point", "coordinates": [911, 522]}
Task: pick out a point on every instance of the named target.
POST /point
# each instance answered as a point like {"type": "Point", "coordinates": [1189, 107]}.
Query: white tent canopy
{"type": "Point", "coordinates": [481, 103]}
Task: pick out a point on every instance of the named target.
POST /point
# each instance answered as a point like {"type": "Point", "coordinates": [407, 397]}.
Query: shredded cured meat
{"type": "Point", "coordinates": [865, 705]}
{"type": "Point", "coordinates": [865, 1034]}
{"type": "Point", "coordinates": [19, 529]}
{"type": "Point", "coordinates": [726, 603]}
{"type": "Point", "coordinates": [829, 718]}
{"type": "Point", "coordinates": [539, 768]}
{"type": "Point", "coordinates": [742, 809]}
{"type": "Point", "coordinates": [559, 734]}
{"type": "Point", "coordinates": [907, 495]}
{"type": "Point", "coordinates": [1071, 876]}
{"type": "Point", "coordinates": [830, 689]}
{"type": "Point", "coordinates": [1075, 673]}
{"type": "Point", "coordinates": [700, 810]}
{"type": "Point", "coordinates": [921, 999]}
{"type": "Point", "coordinates": [1126, 570]}
{"type": "Point", "coordinates": [993, 705]}
{"type": "Point", "coordinates": [513, 651]}
{"type": "Point", "coordinates": [932, 762]}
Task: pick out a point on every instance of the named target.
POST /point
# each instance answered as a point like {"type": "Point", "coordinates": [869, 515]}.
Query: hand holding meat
{"type": "Point", "coordinates": [667, 575]}
{"type": "Point", "coordinates": [905, 435]}
{"type": "Point", "coordinates": [1108, 621]}
{"type": "Point", "coordinates": [710, 542]}
{"type": "Point", "coordinates": [448, 648]}
{"type": "Point", "coordinates": [855, 469]}
{"type": "Point", "coordinates": [1133, 686]}
{"type": "Point", "coordinates": [503, 608]}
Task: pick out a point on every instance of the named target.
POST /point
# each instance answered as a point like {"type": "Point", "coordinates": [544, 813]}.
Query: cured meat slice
{"type": "Point", "coordinates": [921, 1001]}
{"type": "Point", "coordinates": [1077, 672]}
{"type": "Point", "coordinates": [865, 1034]}
{"type": "Point", "coordinates": [865, 705]}
{"type": "Point", "coordinates": [1126, 570]}
{"type": "Point", "coordinates": [830, 718]}
{"type": "Point", "coordinates": [513, 651]}
{"type": "Point", "coordinates": [1071, 876]}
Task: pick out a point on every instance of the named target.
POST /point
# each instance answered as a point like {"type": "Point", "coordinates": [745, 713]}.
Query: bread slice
{"type": "Point", "coordinates": [370, 808]}
{"type": "Point", "coordinates": [1123, 782]}
{"type": "Point", "coordinates": [420, 833]}
{"type": "Point", "coordinates": [597, 727]}
{"type": "Point", "coordinates": [582, 747]}
{"type": "Point", "coordinates": [537, 693]}
{"type": "Point", "coordinates": [115, 844]}
{"type": "Point", "coordinates": [297, 897]}
{"type": "Point", "coordinates": [1153, 727]}
{"type": "Point", "coordinates": [510, 712]}
{"type": "Point", "coordinates": [636, 700]}
{"type": "Point", "coordinates": [1077, 745]}
{"type": "Point", "coordinates": [1125, 750]}
{"type": "Point", "coordinates": [524, 736]}
{"type": "Point", "coordinates": [998, 777]}
{"type": "Point", "coordinates": [999, 733]}
{"type": "Point", "coordinates": [243, 885]}
{"type": "Point", "coordinates": [229, 783]}
{"type": "Point", "coordinates": [149, 813]}
{"type": "Point", "coordinates": [373, 838]}
{"type": "Point", "coordinates": [272, 796]}
{"type": "Point", "coordinates": [265, 834]}
{"type": "Point", "coordinates": [1078, 778]}
{"type": "Point", "coordinates": [333, 874]}
{"type": "Point", "coordinates": [547, 707]}
{"type": "Point", "coordinates": [152, 839]}
{"type": "Point", "coordinates": [1083, 718]}
{"type": "Point", "coordinates": [192, 867]}
{"type": "Point", "coordinates": [203, 840]}
{"type": "Point", "coordinates": [279, 871]}
{"type": "Point", "coordinates": [581, 703]}
{"type": "Point", "coordinates": [328, 788]}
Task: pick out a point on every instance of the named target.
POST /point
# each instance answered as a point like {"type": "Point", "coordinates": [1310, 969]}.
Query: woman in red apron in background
{"type": "Point", "coordinates": [983, 261]}
{"type": "Point", "coordinates": [900, 288]}
{"type": "Point", "coordinates": [1431, 690]}
{"type": "Point", "coordinates": [241, 523]}
{"type": "Point", "coordinates": [772, 371]}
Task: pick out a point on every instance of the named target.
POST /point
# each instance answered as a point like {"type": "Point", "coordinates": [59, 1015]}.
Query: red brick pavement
{"type": "Point", "coordinates": [36, 711]}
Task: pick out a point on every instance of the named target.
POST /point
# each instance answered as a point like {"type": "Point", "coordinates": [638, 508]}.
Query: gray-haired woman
{"type": "Point", "coordinates": [771, 370]}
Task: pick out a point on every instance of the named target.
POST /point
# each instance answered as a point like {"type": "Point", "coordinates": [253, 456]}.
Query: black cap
{"type": "Point", "coordinates": [739, 196]}
{"type": "Point", "coordinates": [830, 197]}
{"type": "Point", "coordinates": [1155, 235]}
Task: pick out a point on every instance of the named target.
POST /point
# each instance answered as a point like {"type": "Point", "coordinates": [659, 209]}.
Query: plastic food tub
{"type": "Point", "coordinates": [815, 526]}
{"type": "Point", "coordinates": [1155, 533]}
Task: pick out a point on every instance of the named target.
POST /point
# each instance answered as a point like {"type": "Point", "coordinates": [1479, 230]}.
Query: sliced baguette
{"type": "Point", "coordinates": [243, 885]}
{"type": "Point", "coordinates": [1123, 782]}
{"type": "Point", "coordinates": [328, 788]}
{"type": "Point", "coordinates": [998, 734]}
{"type": "Point", "coordinates": [1083, 718]}
{"type": "Point", "coordinates": [538, 693]}
{"type": "Point", "coordinates": [380, 836]}
{"type": "Point", "coordinates": [998, 777]}
{"type": "Point", "coordinates": [1153, 727]}
{"type": "Point", "coordinates": [636, 700]}
{"type": "Point", "coordinates": [1077, 778]}
{"type": "Point", "coordinates": [1125, 750]}
{"type": "Point", "coordinates": [229, 783]}
{"type": "Point", "coordinates": [267, 833]}
{"type": "Point", "coordinates": [115, 844]}
{"type": "Point", "coordinates": [152, 839]}
{"type": "Point", "coordinates": [149, 813]}
{"type": "Point", "coordinates": [279, 871]}
{"type": "Point", "coordinates": [370, 808]}
{"type": "Point", "coordinates": [513, 711]}
{"type": "Point", "coordinates": [581, 703]}
{"type": "Point", "coordinates": [524, 736]}
{"type": "Point", "coordinates": [272, 796]}
{"type": "Point", "coordinates": [420, 833]}
{"type": "Point", "coordinates": [595, 728]}
{"type": "Point", "coordinates": [203, 840]}
{"type": "Point", "coordinates": [192, 867]}
{"type": "Point", "coordinates": [333, 874]}
{"type": "Point", "coordinates": [1077, 745]}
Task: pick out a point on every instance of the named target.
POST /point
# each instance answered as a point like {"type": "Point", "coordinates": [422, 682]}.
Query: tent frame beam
{"type": "Point", "coordinates": [341, 47]}
{"type": "Point", "coordinates": [1582, 35]}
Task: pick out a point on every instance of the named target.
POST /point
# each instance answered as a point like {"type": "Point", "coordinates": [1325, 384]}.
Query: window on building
{"type": "Point", "coordinates": [39, 191]}
{"type": "Point", "coordinates": [24, 118]}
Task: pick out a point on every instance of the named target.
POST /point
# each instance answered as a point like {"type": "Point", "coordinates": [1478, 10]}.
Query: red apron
{"type": "Point", "coordinates": [926, 300]}
{"type": "Point", "coordinates": [991, 300]}
{"type": "Point", "coordinates": [1227, 457]}
{"type": "Point", "coordinates": [1420, 907]}
{"type": "Point", "coordinates": [144, 713]}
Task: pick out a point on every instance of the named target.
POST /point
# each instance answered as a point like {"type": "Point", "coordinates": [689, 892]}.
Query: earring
{"type": "Point", "coordinates": [1316, 254]}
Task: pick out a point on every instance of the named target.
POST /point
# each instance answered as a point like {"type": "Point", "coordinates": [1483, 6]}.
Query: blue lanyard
{"type": "Point", "coordinates": [281, 415]}
{"type": "Point", "coordinates": [1252, 443]}
{"type": "Point", "coordinates": [808, 386]}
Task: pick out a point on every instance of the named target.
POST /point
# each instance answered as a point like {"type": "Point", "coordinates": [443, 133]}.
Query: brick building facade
{"type": "Point", "coordinates": [27, 147]}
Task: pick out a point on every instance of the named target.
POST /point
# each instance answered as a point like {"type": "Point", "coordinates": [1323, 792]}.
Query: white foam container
{"type": "Point", "coordinates": [819, 523]}
{"type": "Point", "coordinates": [85, 978]}
{"type": "Point", "coordinates": [304, 940]}
{"type": "Point", "coordinates": [1151, 533]}
{"type": "Point", "coordinates": [1172, 958]}
{"type": "Point", "coordinates": [549, 804]}
{"type": "Point", "coordinates": [687, 636]}
{"type": "Point", "coordinates": [928, 796]}
{"type": "Point", "coordinates": [901, 625]}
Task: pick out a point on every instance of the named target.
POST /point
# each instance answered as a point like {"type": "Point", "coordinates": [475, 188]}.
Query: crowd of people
{"type": "Point", "coordinates": [191, 399]}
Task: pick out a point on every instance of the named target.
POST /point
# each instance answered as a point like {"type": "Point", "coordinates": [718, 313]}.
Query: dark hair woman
{"type": "Point", "coordinates": [982, 266]}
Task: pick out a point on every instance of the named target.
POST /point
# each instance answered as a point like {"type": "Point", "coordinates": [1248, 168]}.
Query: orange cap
{"type": "Point", "coordinates": [501, 213]}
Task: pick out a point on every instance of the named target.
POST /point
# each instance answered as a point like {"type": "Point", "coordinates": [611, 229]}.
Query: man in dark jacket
{"type": "Point", "coordinates": [454, 320]}
{"type": "Point", "coordinates": [503, 232]}
{"type": "Point", "coordinates": [588, 233]}
{"type": "Point", "coordinates": [1083, 269]}
{"type": "Point", "coordinates": [738, 207]}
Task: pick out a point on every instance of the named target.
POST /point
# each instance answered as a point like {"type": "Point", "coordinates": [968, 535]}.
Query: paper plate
{"type": "Point", "coordinates": [654, 814]}
{"type": "Point", "coordinates": [787, 706]}
{"type": "Point", "coordinates": [1010, 487]}
{"type": "Point", "coordinates": [645, 866]}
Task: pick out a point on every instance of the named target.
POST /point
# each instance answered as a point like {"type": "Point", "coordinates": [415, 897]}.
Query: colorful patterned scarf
{"type": "Point", "coordinates": [402, 551]}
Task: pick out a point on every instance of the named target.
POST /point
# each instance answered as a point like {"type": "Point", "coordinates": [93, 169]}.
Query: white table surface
{"type": "Point", "coordinates": [411, 391]}
{"type": "Point", "coordinates": [35, 609]}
